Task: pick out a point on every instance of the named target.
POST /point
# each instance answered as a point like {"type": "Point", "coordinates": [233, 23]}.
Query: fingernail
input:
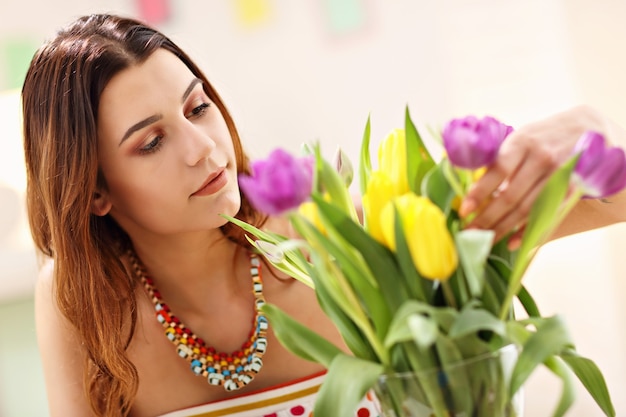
{"type": "Point", "coordinates": [514, 243]}
{"type": "Point", "coordinates": [467, 206]}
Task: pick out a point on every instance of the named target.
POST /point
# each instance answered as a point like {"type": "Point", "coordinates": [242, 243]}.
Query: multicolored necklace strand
{"type": "Point", "coordinates": [231, 370]}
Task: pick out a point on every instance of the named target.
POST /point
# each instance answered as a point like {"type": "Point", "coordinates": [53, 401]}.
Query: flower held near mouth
{"type": "Point", "coordinates": [278, 184]}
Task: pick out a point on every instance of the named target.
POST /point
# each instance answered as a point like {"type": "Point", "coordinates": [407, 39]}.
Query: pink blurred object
{"type": "Point", "coordinates": [154, 11]}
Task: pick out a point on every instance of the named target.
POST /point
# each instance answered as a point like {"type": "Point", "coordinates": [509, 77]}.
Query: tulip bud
{"type": "Point", "coordinates": [428, 238]}
{"type": "Point", "coordinates": [278, 184]}
{"type": "Point", "coordinates": [272, 252]}
{"type": "Point", "coordinates": [392, 160]}
{"type": "Point", "coordinates": [600, 170]}
{"type": "Point", "coordinates": [344, 167]}
{"type": "Point", "coordinates": [379, 192]}
{"type": "Point", "coordinates": [472, 143]}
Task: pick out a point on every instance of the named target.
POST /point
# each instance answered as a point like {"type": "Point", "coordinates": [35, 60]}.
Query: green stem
{"type": "Point", "coordinates": [515, 283]}
{"type": "Point", "coordinates": [352, 308]}
{"type": "Point", "coordinates": [448, 294]}
{"type": "Point", "coordinates": [452, 175]}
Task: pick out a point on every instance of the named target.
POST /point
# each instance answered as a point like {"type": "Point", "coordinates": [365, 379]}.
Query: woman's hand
{"type": "Point", "coordinates": [501, 200]}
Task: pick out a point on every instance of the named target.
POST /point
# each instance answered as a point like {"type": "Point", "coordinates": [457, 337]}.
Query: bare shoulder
{"type": "Point", "coordinates": [60, 350]}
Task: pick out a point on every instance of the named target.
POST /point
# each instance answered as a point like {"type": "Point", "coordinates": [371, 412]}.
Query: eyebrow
{"type": "Point", "coordinates": [190, 88]}
{"type": "Point", "coordinates": [152, 119]}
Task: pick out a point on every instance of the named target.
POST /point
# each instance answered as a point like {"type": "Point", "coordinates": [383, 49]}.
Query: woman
{"type": "Point", "coordinates": [128, 146]}
{"type": "Point", "coordinates": [131, 158]}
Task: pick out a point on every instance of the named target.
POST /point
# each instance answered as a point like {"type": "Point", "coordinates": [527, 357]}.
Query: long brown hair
{"type": "Point", "coordinates": [60, 95]}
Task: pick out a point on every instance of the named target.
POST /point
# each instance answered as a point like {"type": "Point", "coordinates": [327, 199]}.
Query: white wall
{"type": "Point", "coordinates": [292, 79]}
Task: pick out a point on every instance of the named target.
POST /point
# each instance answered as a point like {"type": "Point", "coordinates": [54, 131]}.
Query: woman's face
{"type": "Point", "coordinates": [165, 151]}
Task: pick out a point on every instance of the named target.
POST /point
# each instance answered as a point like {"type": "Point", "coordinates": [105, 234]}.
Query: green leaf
{"type": "Point", "coordinates": [365, 164]}
{"type": "Point", "coordinates": [419, 161]}
{"type": "Point", "coordinates": [470, 320]}
{"type": "Point", "coordinates": [450, 357]}
{"type": "Point", "coordinates": [457, 284]}
{"type": "Point", "coordinates": [497, 274]}
{"type": "Point", "coordinates": [346, 383]}
{"type": "Point", "coordinates": [378, 258]}
{"type": "Point", "coordinates": [544, 217]}
{"type": "Point", "coordinates": [528, 302]}
{"type": "Point", "coordinates": [488, 299]}
{"type": "Point", "coordinates": [517, 332]}
{"type": "Point", "coordinates": [356, 272]}
{"type": "Point", "coordinates": [298, 339]}
{"type": "Point", "coordinates": [350, 333]}
{"type": "Point", "coordinates": [294, 257]}
{"type": "Point", "coordinates": [296, 269]}
{"type": "Point", "coordinates": [425, 367]}
{"type": "Point", "coordinates": [473, 247]}
{"type": "Point", "coordinates": [436, 187]}
{"type": "Point", "coordinates": [550, 338]}
{"type": "Point", "coordinates": [334, 185]}
{"type": "Point", "coordinates": [545, 210]}
{"type": "Point", "coordinates": [400, 331]}
{"type": "Point", "coordinates": [591, 377]}
{"type": "Point", "coordinates": [423, 330]}
{"type": "Point", "coordinates": [568, 394]}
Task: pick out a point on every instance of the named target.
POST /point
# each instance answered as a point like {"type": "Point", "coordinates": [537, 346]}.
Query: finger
{"type": "Point", "coordinates": [515, 240]}
{"type": "Point", "coordinates": [515, 218]}
{"type": "Point", "coordinates": [482, 190]}
{"type": "Point", "coordinates": [486, 186]}
{"type": "Point", "coordinates": [516, 195]}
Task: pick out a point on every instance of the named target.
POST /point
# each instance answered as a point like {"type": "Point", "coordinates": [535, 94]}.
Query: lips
{"type": "Point", "coordinates": [214, 182]}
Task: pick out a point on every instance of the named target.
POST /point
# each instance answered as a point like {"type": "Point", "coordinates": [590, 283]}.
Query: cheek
{"type": "Point", "coordinates": [145, 200]}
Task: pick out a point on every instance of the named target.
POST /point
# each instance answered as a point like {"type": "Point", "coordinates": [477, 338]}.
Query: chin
{"type": "Point", "coordinates": [230, 203]}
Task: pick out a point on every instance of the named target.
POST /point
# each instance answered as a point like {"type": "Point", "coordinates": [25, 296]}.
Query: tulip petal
{"type": "Point", "coordinates": [426, 233]}
{"type": "Point", "coordinates": [278, 184]}
{"type": "Point", "coordinates": [473, 143]}
{"type": "Point", "coordinates": [592, 147]}
{"type": "Point", "coordinates": [392, 160]}
{"type": "Point", "coordinates": [600, 170]}
{"type": "Point", "coordinates": [379, 192]}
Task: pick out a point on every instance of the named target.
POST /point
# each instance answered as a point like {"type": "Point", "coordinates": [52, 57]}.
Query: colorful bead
{"type": "Point", "coordinates": [232, 371]}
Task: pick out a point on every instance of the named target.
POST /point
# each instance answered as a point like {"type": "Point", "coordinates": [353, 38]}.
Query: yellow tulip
{"type": "Point", "coordinates": [392, 160]}
{"type": "Point", "coordinates": [427, 235]}
{"type": "Point", "coordinates": [309, 211]}
{"type": "Point", "coordinates": [478, 173]}
{"type": "Point", "coordinates": [379, 192]}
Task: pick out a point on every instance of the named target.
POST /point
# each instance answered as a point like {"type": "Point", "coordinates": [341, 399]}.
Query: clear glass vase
{"type": "Point", "coordinates": [476, 387]}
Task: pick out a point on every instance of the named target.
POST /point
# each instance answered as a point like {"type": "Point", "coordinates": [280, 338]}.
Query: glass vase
{"type": "Point", "coordinates": [475, 387]}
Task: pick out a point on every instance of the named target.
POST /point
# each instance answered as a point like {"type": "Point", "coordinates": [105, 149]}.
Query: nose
{"type": "Point", "coordinates": [198, 144]}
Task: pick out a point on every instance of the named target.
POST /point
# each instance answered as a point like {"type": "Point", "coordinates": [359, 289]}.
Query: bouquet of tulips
{"type": "Point", "coordinates": [407, 285]}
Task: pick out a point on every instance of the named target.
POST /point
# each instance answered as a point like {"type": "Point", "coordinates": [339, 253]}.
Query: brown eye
{"type": "Point", "coordinates": [152, 146]}
{"type": "Point", "coordinates": [199, 110]}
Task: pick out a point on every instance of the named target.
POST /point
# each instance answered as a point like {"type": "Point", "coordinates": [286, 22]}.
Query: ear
{"type": "Point", "coordinates": [100, 203]}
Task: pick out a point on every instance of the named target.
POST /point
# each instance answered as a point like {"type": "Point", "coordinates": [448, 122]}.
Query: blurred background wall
{"type": "Point", "coordinates": [297, 71]}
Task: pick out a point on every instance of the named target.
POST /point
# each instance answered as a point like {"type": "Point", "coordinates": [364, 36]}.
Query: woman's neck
{"type": "Point", "coordinates": [187, 269]}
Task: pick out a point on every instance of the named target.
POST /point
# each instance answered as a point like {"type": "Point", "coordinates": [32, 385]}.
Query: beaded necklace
{"type": "Point", "coordinates": [230, 370]}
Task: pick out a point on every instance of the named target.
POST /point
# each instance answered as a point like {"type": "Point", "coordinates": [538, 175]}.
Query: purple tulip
{"type": "Point", "coordinates": [279, 183]}
{"type": "Point", "coordinates": [473, 143]}
{"type": "Point", "coordinates": [601, 170]}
